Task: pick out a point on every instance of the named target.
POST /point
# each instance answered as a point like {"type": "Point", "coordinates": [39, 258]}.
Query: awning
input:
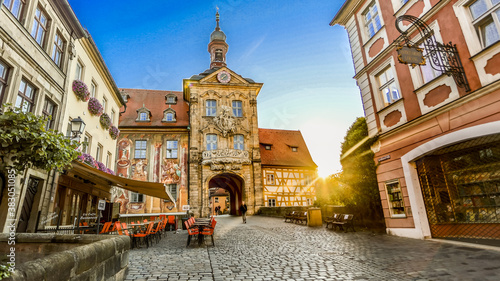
{"type": "Point", "coordinates": [154, 189]}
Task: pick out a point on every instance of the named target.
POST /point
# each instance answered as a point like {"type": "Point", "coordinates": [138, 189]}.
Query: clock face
{"type": "Point", "coordinates": [224, 77]}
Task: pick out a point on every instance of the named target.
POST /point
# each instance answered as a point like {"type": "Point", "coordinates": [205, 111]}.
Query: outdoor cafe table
{"type": "Point", "coordinates": [200, 223]}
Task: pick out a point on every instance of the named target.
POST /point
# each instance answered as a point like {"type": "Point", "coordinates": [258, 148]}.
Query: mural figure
{"type": "Point", "coordinates": [171, 172]}
{"type": "Point", "coordinates": [140, 172]}
{"type": "Point", "coordinates": [120, 195]}
{"type": "Point", "coordinates": [123, 162]}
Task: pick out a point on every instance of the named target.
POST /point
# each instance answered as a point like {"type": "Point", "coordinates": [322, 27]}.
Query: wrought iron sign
{"type": "Point", "coordinates": [442, 57]}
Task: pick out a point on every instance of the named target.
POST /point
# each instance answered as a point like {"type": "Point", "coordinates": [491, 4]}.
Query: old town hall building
{"type": "Point", "coordinates": [207, 137]}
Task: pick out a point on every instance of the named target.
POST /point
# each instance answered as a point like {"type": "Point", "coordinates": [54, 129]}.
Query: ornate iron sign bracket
{"type": "Point", "coordinates": [442, 57]}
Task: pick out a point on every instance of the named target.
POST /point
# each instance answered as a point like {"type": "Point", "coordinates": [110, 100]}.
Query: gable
{"type": "Point", "coordinates": [235, 78]}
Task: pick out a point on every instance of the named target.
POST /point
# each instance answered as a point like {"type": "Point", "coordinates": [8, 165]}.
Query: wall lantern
{"type": "Point", "coordinates": [77, 127]}
{"type": "Point", "coordinates": [442, 57]}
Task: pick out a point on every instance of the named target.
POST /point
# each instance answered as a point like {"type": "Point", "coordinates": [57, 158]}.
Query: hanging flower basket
{"type": "Point", "coordinates": [114, 132]}
{"type": "Point", "coordinates": [101, 166]}
{"type": "Point", "coordinates": [95, 107]}
{"type": "Point", "coordinates": [105, 121]}
{"type": "Point", "coordinates": [87, 159]}
{"type": "Point", "coordinates": [81, 91]}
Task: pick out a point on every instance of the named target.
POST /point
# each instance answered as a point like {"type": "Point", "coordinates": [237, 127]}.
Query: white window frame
{"type": "Point", "coordinates": [86, 147]}
{"type": "Point", "coordinates": [237, 108]}
{"type": "Point", "coordinates": [211, 140]}
{"type": "Point", "coordinates": [21, 5]}
{"type": "Point", "coordinates": [79, 70]}
{"type": "Point", "coordinates": [98, 154]}
{"type": "Point", "coordinates": [172, 149]}
{"type": "Point", "coordinates": [211, 108]}
{"type": "Point", "coordinates": [143, 151]}
{"type": "Point", "coordinates": [93, 88]}
{"type": "Point", "coordinates": [374, 11]}
{"type": "Point", "coordinates": [173, 189]}
{"type": "Point", "coordinates": [387, 98]}
{"type": "Point", "coordinates": [391, 208]}
{"type": "Point", "coordinates": [239, 142]}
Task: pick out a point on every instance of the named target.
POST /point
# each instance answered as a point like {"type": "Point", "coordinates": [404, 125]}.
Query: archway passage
{"type": "Point", "coordinates": [232, 183]}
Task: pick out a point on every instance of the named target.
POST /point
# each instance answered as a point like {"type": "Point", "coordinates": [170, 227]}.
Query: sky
{"type": "Point", "coordinates": [305, 64]}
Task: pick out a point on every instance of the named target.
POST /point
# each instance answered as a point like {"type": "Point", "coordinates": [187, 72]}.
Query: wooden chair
{"type": "Point", "coordinates": [209, 230]}
{"type": "Point", "coordinates": [191, 231]}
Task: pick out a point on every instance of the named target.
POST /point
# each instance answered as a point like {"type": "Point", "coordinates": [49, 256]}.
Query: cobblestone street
{"type": "Point", "coordinates": [269, 249]}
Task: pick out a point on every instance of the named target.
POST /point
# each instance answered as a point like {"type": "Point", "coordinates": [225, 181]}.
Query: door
{"type": "Point", "coordinates": [31, 191]}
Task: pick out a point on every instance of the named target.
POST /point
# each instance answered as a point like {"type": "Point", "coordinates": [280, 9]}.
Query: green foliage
{"type": "Point", "coordinates": [359, 178]}
{"type": "Point", "coordinates": [25, 143]}
{"type": "Point", "coordinates": [4, 271]}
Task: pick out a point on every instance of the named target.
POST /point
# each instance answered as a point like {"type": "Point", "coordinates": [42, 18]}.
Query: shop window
{"type": "Point", "coordinates": [395, 197]}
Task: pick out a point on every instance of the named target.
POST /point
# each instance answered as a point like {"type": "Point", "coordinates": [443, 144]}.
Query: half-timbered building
{"type": "Point", "coordinates": [288, 171]}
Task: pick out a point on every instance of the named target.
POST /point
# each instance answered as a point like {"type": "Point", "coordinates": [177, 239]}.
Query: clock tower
{"type": "Point", "coordinates": [218, 46]}
{"type": "Point", "coordinates": [224, 136]}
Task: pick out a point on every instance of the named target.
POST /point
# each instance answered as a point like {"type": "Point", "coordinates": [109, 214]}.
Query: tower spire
{"type": "Point", "coordinates": [218, 46]}
{"type": "Point", "coordinates": [217, 19]}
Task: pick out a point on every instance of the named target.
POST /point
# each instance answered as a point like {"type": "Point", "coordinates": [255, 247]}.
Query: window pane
{"type": "Point", "coordinates": [489, 33]}
{"type": "Point", "coordinates": [478, 8]}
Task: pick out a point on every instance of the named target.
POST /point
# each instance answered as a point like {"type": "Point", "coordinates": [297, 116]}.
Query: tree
{"type": "Point", "coordinates": [25, 143]}
{"type": "Point", "coordinates": [360, 190]}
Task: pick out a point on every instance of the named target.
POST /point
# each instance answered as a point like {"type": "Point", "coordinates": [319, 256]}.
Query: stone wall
{"type": "Point", "coordinates": [68, 257]}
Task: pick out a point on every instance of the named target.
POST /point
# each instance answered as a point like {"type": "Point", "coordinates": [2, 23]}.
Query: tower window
{"type": "Point", "coordinates": [237, 108]}
{"type": "Point", "coordinates": [218, 55]}
{"type": "Point", "coordinates": [211, 106]}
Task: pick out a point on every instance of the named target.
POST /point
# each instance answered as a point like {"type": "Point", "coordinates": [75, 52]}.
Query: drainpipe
{"type": "Point", "coordinates": [189, 159]}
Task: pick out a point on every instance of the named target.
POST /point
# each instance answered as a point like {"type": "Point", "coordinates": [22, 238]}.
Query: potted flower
{"type": "Point", "coordinates": [81, 91]}
{"type": "Point", "coordinates": [95, 107]}
{"type": "Point", "coordinates": [114, 132]}
{"type": "Point", "coordinates": [87, 159]}
{"type": "Point", "coordinates": [101, 166]}
{"type": "Point", "coordinates": [105, 121]}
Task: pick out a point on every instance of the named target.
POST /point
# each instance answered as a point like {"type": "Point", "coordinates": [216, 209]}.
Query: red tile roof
{"type": "Point", "coordinates": [281, 153]}
{"type": "Point", "coordinates": [153, 100]}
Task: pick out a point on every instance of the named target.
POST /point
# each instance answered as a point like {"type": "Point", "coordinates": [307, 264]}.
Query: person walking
{"type": "Point", "coordinates": [243, 210]}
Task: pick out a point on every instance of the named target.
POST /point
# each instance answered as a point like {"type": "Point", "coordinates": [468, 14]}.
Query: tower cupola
{"type": "Point", "coordinates": [217, 46]}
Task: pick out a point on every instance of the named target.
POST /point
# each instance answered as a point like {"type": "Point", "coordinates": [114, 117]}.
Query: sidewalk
{"type": "Point", "coordinates": [268, 249]}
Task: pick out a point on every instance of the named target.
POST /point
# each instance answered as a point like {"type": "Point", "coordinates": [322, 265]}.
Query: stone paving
{"type": "Point", "coordinates": [269, 249]}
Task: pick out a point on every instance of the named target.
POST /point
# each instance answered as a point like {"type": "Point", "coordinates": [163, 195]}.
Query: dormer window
{"type": "Point", "coordinates": [294, 148]}
{"type": "Point", "coordinates": [143, 114]}
{"type": "Point", "coordinates": [268, 147]}
{"type": "Point", "coordinates": [169, 115]}
{"type": "Point", "coordinates": [170, 99]}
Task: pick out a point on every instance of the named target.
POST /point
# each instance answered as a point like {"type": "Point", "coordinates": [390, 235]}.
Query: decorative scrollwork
{"type": "Point", "coordinates": [442, 57]}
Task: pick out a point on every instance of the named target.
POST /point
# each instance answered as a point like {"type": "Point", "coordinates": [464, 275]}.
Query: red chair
{"type": "Point", "coordinates": [105, 227]}
{"type": "Point", "coordinates": [157, 231]}
{"type": "Point", "coordinates": [209, 230]}
{"type": "Point", "coordinates": [145, 235]}
{"type": "Point", "coordinates": [191, 231]}
{"type": "Point", "coordinates": [172, 221]}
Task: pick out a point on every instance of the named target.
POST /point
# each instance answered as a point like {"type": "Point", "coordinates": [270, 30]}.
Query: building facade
{"type": "Point", "coordinates": [288, 171]}
{"type": "Point", "coordinates": [153, 146]}
{"type": "Point", "coordinates": [43, 49]}
{"type": "Point", "coordinates": [437, 125]}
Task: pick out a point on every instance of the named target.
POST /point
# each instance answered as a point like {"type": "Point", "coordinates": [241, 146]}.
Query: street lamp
{"type": "Point", "coordinates": [77, 127]}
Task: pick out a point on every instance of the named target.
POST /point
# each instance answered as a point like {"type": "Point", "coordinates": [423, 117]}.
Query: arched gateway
{"type": "Point", "coordinates": [234, 184]}
{"type": "Point", "coordinates": [224, 143]}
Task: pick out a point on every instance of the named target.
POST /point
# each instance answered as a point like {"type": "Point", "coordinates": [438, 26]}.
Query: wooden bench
{"type": "Point", "coordinates": [334, 218]}
{"type": "Point", "coordinates": [346, 220]}
{"type": "Point", "coordinates": [301, 217]}
{"type": "Point", "coordinates": [290, 216]}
